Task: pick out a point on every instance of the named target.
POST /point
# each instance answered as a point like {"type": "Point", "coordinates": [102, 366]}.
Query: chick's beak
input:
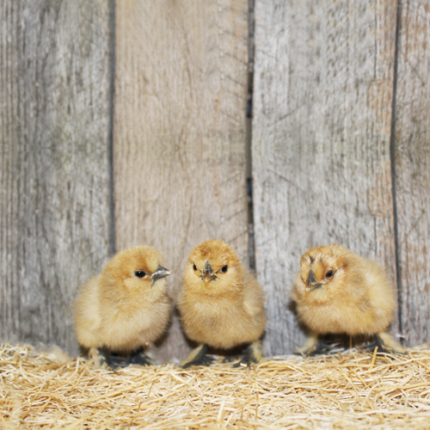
{"type": "Point", "coordinates": [311, 282]}
{"type": "Point", "coordinates": [161, 272]}
{"type": "Point", "coordinates": [207, 273]}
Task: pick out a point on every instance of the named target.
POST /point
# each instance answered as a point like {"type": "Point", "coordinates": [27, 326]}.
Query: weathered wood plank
{"type": "Point", "coordinates": [323, 85]}
{"type": "Point", "coordinates": [179, 130]}
{"type": "Point", "coordinates": [412, 155]}
{"type": "Point", "coordinates": [54, 187]}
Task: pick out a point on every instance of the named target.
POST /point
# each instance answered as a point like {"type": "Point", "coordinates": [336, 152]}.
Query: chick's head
{"type": "Point", "coordinates": [213, 268]}
{"type": "Point", "coordinates": [324, 270]}
{"type": "Point", "coordinates": [136, 270]}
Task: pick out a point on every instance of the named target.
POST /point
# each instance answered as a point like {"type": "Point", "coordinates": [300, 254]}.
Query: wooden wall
{"type": "Point", "coordinates": [179, 130]}
{"type": "Point", "coordinates": [411, 146]}
{"type": "Point", "coordinates": [54, 163]}
{"type": "Point", "coordinates": [323, 94]}
{"type": "Point", "coordinates": [125, 122]}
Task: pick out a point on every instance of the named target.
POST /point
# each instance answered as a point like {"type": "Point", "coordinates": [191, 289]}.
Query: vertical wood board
{"type": "Point", "coordinates": [179, 131]}
{"type": "Point", "coordinates": [54, 187]}
{"type": "Point", "coordinates": [412, 154]}
{"type": "Point", "coordinates": [323, 85]}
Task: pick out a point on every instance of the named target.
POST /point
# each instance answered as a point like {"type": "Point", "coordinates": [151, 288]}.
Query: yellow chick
{"type": "Point", "coordinates": [221, 303]}
{"type": "Point", "coordinates": [337, 291]}
{"type": "Point", "coordinates": [125, 308]}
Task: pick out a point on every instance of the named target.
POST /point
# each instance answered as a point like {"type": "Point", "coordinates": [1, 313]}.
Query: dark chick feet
{"type": "Point", "coordinates": [245, 359]}
{"type": "Point", "coordinates": [197, 357]}
{"type": "Point", "coordinates": [386, 343]}
{"type": "Point", "coordinates": [310, 346]}
{"type": "Point", "coordinates": [313, 346]}
{"type": "Point", "coordinates": [138, 357]}
{"type": "Point", "coordinates": [251, 355]}
{"type": "Point", "coordinates": [104, 360]}
{"type": "Point", "coordinates": [112, 361]}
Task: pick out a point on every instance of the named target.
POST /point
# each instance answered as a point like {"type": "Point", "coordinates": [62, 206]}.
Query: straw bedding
{"type": "Point", "coordinates": [350, 389]}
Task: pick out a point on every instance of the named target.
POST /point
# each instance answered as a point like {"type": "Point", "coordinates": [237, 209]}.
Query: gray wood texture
{"type": "Point", "coordinates": [179, 131]}
{"type": "Point", "coordinates": [54, 170]}
{"type": "Point", "coordinates": [323, 86]}
{"type": "Point", "coordinates": [322, 112]}
{"type": "Point", "coordinates": [412, 154]}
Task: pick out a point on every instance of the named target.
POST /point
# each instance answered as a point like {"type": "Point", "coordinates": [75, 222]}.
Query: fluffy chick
{"type": "Point", "coordinates": [125, 308]}
{"type": "Point", "coordinates": [337, 291]}
{"type": "Point", "coordinates": [221, 303]}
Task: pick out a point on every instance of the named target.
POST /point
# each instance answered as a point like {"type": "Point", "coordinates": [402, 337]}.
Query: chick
{"type": "Point", "coordinates": [221, 303]}
{"type": "Point", "coordinates": [337, 291]}
{"type": "Point", "coordinates": [125, 308]}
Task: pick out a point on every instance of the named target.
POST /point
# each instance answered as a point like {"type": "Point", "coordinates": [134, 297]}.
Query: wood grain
{"type": "Point", "coordinates": [179, 131]}
{"type": "Point", "coordinates": [54, 188]}
{"type": "Point", "coordinates": [412, 155]}
{"type": "Point", "coordinates": [323, 86]}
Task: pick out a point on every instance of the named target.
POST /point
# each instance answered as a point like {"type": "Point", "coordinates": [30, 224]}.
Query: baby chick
{"type": "Point", "coordinates": [125, 308]}
{"type": "Point", "coordinates": [337, 291]}
{"type": "Point", "coordinates": [221, 303]}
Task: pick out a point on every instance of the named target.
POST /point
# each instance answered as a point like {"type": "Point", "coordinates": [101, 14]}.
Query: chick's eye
{"type": "Point", "coordinates": [329, 274]}
{"type": "Point", "coordinates": [224, 268]}
{"type": "Point", "coordinates": [194, 267]}
{"type": "Point", "coordinates": [139, 274]}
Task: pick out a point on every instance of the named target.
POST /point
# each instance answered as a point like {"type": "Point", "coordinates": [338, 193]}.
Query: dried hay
{"type": "Point", "coordinates": [352, 389]}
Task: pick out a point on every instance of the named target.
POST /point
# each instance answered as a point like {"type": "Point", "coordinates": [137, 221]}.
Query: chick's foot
{"type": "Point", "coordinates": [104, 360]}
{"type": "Point", "coordinates": [309, 347]}
{"type": "Point", "coordinates": [386, 343]}
{"type": "Point", "coordinates": [197, 357]}
{"type": "Point", "coordinates": [251, 355]}
{"type": "Point", "coordinates": [139, 357]}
